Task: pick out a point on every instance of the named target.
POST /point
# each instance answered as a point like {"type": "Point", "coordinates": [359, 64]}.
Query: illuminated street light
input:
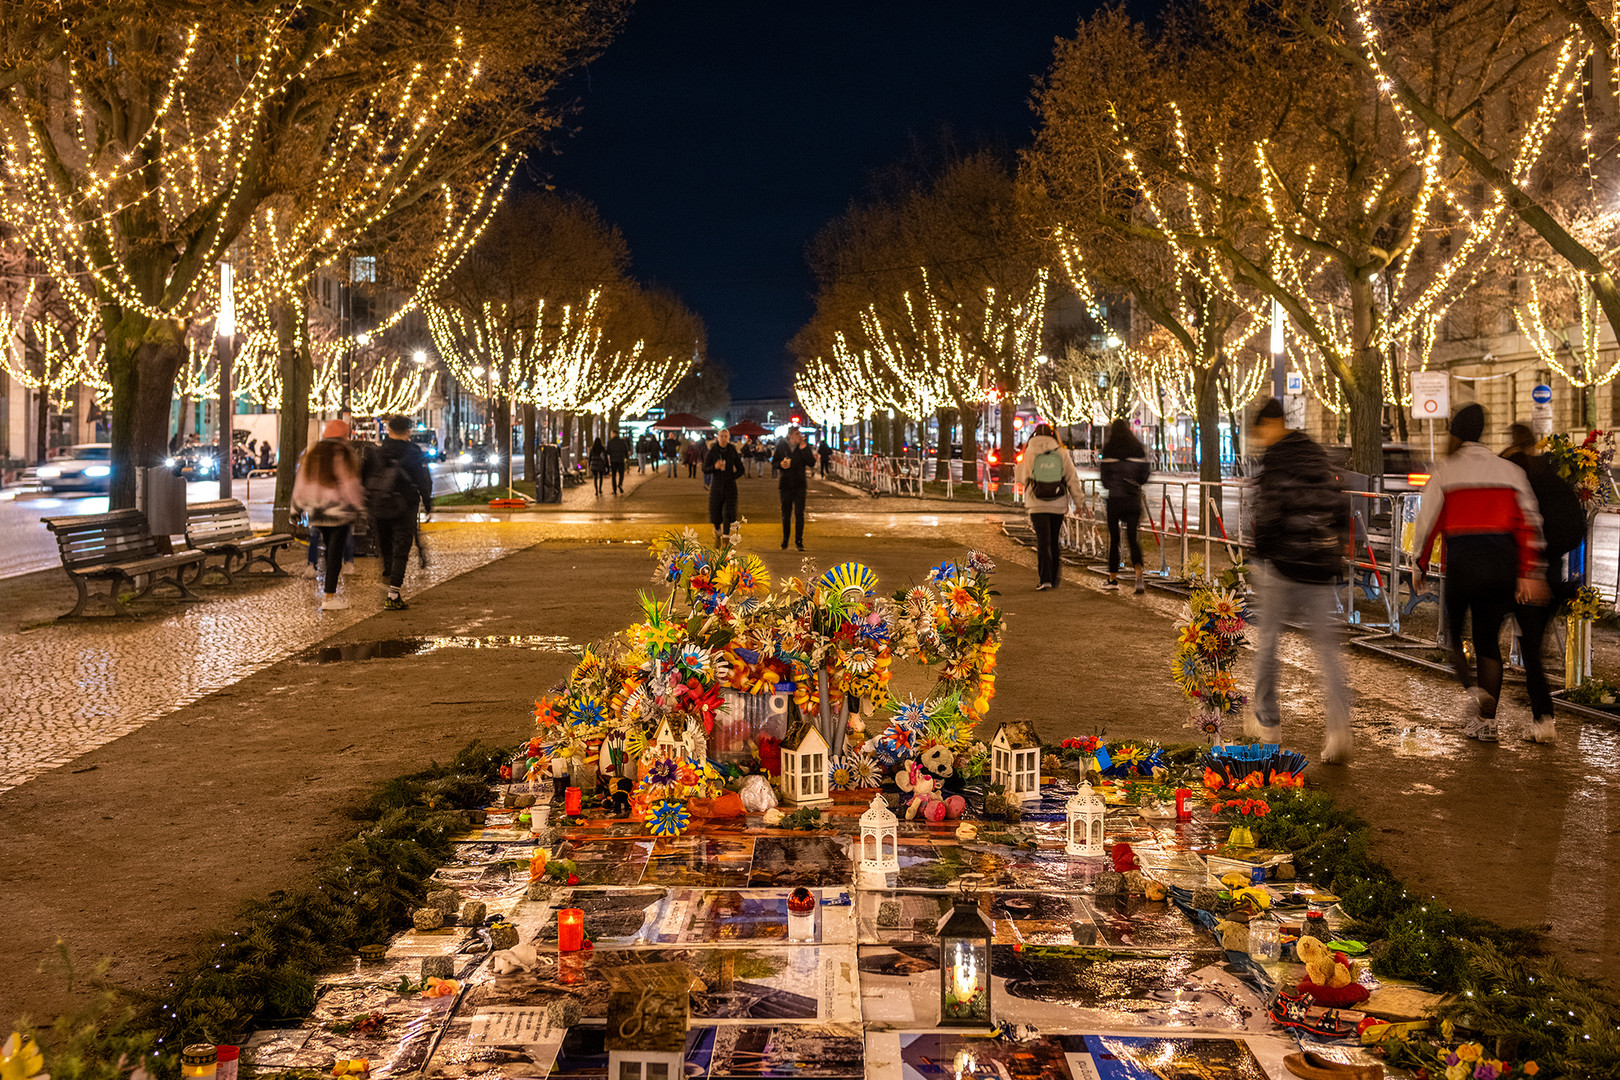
{"type": "Point", "coordinates": [420, 356]}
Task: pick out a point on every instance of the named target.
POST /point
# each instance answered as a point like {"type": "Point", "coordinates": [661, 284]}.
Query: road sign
{"type": "Point", "coordinates": [1541, 394]}
{"type": "Point", "coordinates": [1541, 410]}
{"type": "Point", "coordinates": [1296, 384]}
{"type": "Point", "coordinates": [1431, 395]}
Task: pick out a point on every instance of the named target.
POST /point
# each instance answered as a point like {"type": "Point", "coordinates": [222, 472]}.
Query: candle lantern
{"type": "Point", "coordinates": [801, 906]}
{"type": "Point", "coordinates": [571, 801]}
{"type": "Point", "coordinates": [1084, 813]}
{"type": "Point", "coordinates": [1183, 804]}
{"type": "Point", "coordinates": [879, 839]}
{"type": "Point", "coordinates": [570, 929]}
{"type": "Point", "coordinates": [964, 964]}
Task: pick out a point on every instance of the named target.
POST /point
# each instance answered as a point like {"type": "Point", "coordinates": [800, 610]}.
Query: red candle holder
{"type": "Point", "coordinates": [571, 801]}
{"type": "Point", "coordinates": [570, 929]}
{"type": "Point", "coordinates": [1183, 809]}
{"type": "Point", "coordinates": [570, 969]}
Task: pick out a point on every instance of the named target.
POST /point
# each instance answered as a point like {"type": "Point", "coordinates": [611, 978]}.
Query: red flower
{"type": "Point", "coordinates": [573, 879]}
{"type": "Point", "coordinates": [506, 772]}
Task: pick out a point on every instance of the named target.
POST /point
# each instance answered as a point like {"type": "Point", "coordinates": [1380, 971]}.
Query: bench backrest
{"type": "Point", "coordinates": [217, 522]}
{"type": "Point", "coordinates": [91, 540]}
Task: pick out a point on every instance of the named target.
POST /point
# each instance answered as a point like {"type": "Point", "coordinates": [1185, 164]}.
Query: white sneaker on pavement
{"type": "Point", "coordinates": [1541, 731]}
{"type": "Point", "coordinates": [333, 603]}
{"type": "Point", "coordinates": [348, 568]}
{"type": "Point", "coordinates": [1339, 747]}
{"type": "Point", "coordinates": [1043, 586]}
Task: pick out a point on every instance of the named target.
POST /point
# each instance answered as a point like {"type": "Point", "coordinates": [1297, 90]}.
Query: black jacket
{"type": "Point", "coordinates": [412, 462]}
{"type": "Point", "coordinates": [1124, 477]}
{"type": "Point", "coordinates": [1301, 514]}
{"type": "Point", "coordinates": [725, 464]}
{"type": "Point", "coordinates": [618, 449]}
{"type": "Point", "coordinates": [793, 465]}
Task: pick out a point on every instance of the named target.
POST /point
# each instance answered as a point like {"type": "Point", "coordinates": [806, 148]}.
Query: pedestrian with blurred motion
{"type": "Point", "coordinates": [1046, 475]}
{"type": "Point", "coordinates": [1563, 530]}
{"type": "Point", "coordinates": [618, 452]}
{"type": "Point", "coordinates": [598, 459]}
{"type": "Point", "coordinates": [328, 490]}
{"type": "Point", "coordinates": [824, 453]}
{"type": "Point", "coordinates": [793, 462]}
{"type": "Point", "coordinates": [723, 466]}
{"type": "Point", "coordinates": [267, 458]}
{"type": "Point", "coordinates": [1483, 511]}
{"type": "Point", "coordinates": [672, 453]}
{"type": "Point", "coordinates": [396, 480]}
{"type": "Point", "coordinates": [1124, 471]}
{"type": "Point", "coordinates": [1301, 537]}
{"type": "Point", "coordinates": [693, 454]}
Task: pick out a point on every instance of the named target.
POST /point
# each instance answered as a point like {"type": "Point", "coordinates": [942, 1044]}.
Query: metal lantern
{"type": "Point", "coordinates": [880, 841]}
{"type": "Point", "coordinates": [1085, 812]}
{"type": "Point", "coordinates": [964, 964]}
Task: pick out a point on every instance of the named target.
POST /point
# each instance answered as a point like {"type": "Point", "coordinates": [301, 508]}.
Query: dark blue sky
{"type": "Point", "coordinates": [720, 135]}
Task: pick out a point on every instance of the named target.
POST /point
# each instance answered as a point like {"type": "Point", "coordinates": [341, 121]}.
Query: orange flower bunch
{"type": "Point", "coordinates": [1246, 807]}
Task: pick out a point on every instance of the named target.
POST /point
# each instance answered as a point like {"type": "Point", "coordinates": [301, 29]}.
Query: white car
{"type": "Point", "coordinates": [86, 467]}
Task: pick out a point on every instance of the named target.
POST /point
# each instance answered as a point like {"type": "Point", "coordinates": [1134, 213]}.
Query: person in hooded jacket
{"type": "Point", "coordinates": [723, 465]}
{"type": "Point", "coordinates": [1124, 470]}
{"type": "Point", "coordinates": [1301, 535]}
{"type": "Point", "coordinates": [1046, 504]}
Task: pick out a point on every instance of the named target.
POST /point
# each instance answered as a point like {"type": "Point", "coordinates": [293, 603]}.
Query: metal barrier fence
{"type": "Point", "coordinates": [908, 476]}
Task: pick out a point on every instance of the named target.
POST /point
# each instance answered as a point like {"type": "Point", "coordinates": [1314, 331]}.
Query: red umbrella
{"type": "Point", "coordinates": [747, 428]}
{"type": "Point", "coordinates": [681, 421]}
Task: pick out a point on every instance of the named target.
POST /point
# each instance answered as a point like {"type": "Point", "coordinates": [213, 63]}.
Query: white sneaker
{"type": "Point", "coordinates": [1541, 731]}
{"type": "Point", "coordinates": [1487, 730]}
{"type": "Point", "coordinates": [1338, 749]}
{"type": "Point", "coordinates": [1472, 704]}
{"type": "Point", "coordinates": [1043, 586]}
{"type": "Point", "coordinates": [309, 571]}
{"type": "Point", "coordinates": [333, 603]}
{"type": "Point", "coordinates": [348, 568]}
{"type": "Point", "coordinates": [1252, 728]}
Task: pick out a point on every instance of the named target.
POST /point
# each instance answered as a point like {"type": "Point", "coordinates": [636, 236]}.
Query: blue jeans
{"type": "Point", "coordinates": [1282, 599]}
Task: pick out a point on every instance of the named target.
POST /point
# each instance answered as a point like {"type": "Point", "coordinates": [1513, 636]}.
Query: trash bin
{"type": "Point", "coordinates": [548, 485]}
{"type": "Point", "coordinates": [160, 494]}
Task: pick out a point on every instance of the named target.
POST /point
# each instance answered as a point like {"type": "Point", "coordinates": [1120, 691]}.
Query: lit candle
{"type": "Point", "coordinates": [570, 929]}
{"type": "Point", "coordinates": [570, 969]}
{"type": "Point", "coordinates": [1183, 810]}
{"type": "Point", "coordinates": [571, 802]}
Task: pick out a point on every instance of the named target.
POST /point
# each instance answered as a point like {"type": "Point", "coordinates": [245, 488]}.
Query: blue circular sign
{"type": "Point", "coordinates": [1541, 394]}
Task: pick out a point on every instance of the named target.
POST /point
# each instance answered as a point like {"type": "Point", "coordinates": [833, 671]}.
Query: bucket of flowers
{"type": "Point", "coordinates": [1242, 815]}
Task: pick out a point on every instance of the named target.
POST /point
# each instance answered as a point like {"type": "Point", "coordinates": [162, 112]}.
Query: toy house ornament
{"type": "Point", "coordinates": [646, 1021]}
{"type": "Point", "coordinates": [964, 964]}
{"type": "Point", "coordinates": [879, 839]}
{"type": "Point", "coordinates": [1015, 760]}
{"type": "Point", "coordinates": [1084, 813]}
{"type": "Point", "coordinates": [665, 740]}
{"type": "Point", "coordinates": [804, 765]}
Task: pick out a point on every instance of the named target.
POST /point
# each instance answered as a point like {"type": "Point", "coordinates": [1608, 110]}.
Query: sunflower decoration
{"type": "Point", "coordinates": [669, 817]}
{"type": "Point", "coordinates": [548, 713]}
{"type": "Point", "coordinates": [747, 577]}
{"type": "Point", "coordinates": [1184, 667]}
{"type": "Point", "coordinates": [841, 774]}
{"type": "Point", "coordinates": [851, 581]}
{"type": "Point", "coordinates": [589, 711]}
{"type": "Point", "coordinates": [867, 774]}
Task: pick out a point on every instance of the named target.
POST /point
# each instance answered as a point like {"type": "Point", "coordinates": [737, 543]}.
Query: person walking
{"type": "Point", "coordinates": [824, 452]}
{"type": "Point", "coordinates": [328, 490]}
{"type": "Point", "coordinates": [1563, 529]}
{"type": "Point", "coordinates": [1046, 473]}
{"type": "Point", "coordinates": [793, 461]}
{"type": "Point", "coordinates": [599, 464]}
{"type": "Point", "coordinates": [1484, 511]}
{"type": "Point", "coordinates": [618, 452]}
{"type": "Point", "coordinates": [1301, 535]}
{"type": "Point", "coordinates": [723, 466]}
{"type": "Point", "coordinates": [693, 454]}
{"type": "Point", "coordinates": [1124, 471]}
{"type": "Point", "coordinates": [397, 481]}
{"type": "Point", "coordinates": [672, 452]}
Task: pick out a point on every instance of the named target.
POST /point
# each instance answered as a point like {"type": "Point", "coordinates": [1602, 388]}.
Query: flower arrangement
{"type": "Point", "coordinates": [1448, 1061]}
{"type": "Point", "coordinates": [1207, 644]}
{"type": "Point", "coordinates": [1243, 814]}
{"type": "Point", "coordinates": [1587, 603]}
{"type": "Point", "coordinates": [1585, 466]}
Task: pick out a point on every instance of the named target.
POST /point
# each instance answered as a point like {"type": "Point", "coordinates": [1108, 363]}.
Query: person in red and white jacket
{"type": "Point", "coordinates": [1484, 510]}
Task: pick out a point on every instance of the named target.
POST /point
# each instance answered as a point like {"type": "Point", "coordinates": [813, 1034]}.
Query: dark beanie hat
{"type": "Point", "coordinates": [1469, 423]}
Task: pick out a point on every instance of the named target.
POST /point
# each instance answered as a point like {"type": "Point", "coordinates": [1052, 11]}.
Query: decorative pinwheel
{"type": "Point", "coordinates": [669, 818]}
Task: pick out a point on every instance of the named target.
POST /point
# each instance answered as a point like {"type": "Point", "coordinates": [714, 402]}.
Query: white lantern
{"type": "Point", "coordinates": [1085, 812]}
{"type": "Point", "coordinates": [879, 839]}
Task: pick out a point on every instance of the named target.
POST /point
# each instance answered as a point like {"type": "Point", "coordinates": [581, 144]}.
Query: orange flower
{"type": "Point", "coordinates": [1213, 780]}
{"type": "Point", "coordinates": [437, 988]}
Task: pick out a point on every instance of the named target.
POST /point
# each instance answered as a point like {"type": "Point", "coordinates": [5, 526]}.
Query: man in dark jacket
{"type": "Point", "coordinates": [793, 462]}
{"type": "Point", "coordinates": [1302, 531]}
{"type": "Point", "coordinates": [723, 465]}
{"type": "Point", "coordinates": [824, 452]}
{"type": "Point", "coordinates": [672, 452]}
{"type": "Point", "coordinates": [618, 451]}
{"type": "Point", "coordinates": [396, 479]}
{"type": "Point", "coordinates": [1563, 529]}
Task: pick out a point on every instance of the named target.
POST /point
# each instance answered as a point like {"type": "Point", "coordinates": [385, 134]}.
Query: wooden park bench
{"type": "Point", "coordinates": [117, 547]}
{"type": "Point", "coordinates": [221, 528]}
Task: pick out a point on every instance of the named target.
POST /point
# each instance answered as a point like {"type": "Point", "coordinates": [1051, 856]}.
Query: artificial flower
{"type": "Point", "coordinates": [589, 711]}
{"type": "Point", "coordinates": [669, 818]}
{"type": "Point", "coordinates": [21, 1059]}
{"type": "Point", "coordinates": [866, 771]}
{"type": "Point", "coordinates": [537, 862]}
{"type": "Point", "coordinates": [438, 988]}
{"type": "Point", "coordinates": [841, 775]}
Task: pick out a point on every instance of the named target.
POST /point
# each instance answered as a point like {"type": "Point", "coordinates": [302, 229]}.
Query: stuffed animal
{"type": "Point", "coordinates": [1124, 858]}
{"type": "Point", "coordinates": [1327, 975]}
{"type": "Point", "coordinates": [938, 759]}
{"type": "Point", "coordinates": [923, 788]}
{"type": "Point", "coordinates": [619, 799]}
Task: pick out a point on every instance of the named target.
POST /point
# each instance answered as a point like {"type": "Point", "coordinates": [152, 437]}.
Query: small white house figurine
{"type": "Point", "coordinates": [879, 852]}
{"type": "Point", "coordinates": [647, 1017]}
{"type": "Point", "coordinates": [804, 765]}
{"type": "Point", "coordinates": [664, 738]}
{"type": "Point", "coordinates": [1084, 813]}
{"type": "Point", "coordinates": [1015, 760]}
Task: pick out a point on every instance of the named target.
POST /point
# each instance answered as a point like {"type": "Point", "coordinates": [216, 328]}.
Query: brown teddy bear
{"type": "Point", "coordinates": [1327, 975]}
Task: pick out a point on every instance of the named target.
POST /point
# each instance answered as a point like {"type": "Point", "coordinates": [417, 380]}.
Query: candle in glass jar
{"type": "Point", "coordinates": [571, 801]}
{"type": "Point", "coordinates": [1183, 809]}
{"type": "Point", "coordinates": [570, 929]}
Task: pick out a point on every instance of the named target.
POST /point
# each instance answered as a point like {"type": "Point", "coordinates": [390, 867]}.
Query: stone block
{"type": "Point", "coordinates": [428, 918]}
{"type": "Point", "coordinates": [437, 967]}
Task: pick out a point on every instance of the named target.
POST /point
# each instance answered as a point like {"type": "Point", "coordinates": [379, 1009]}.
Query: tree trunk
{"type": "Point", "coordinates": [970, 441]}
{"type": "Point", "coordinates": [297, 371]}
{"type": "Point", "coordinates": [1364, 392]}
{"type": "Point", "coordinates": [943, 444]}
{"type": "Point", "coordinates": [503, 439]}
{"type": "Point", "coordinates": [143, 356]}
{"type": "Point", "coordinates": [1009, 448]}
{"type": "Point", "coordinates": [42, 425]}
{"type": "Point", "coordinates": [1207, 405]}
{"type": "Point", "coordinates": [531, 439]}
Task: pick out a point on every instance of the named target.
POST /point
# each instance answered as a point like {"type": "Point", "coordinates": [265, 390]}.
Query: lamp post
{"type": "Point", "coordinates": [225, 348]}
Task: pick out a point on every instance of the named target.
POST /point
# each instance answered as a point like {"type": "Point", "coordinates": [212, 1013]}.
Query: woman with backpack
{"type": "Point", "coordinates": [328, 490]}
{"type": "Point", "coordinates": [1046, 473]}
{"type": "Point", "coordinates": [599, 464]}
{"type": "Point", "coordinates": [1124, 471]}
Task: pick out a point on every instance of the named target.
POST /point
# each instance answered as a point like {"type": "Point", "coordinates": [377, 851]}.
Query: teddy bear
{"type": "Point", "coordinates": [938, 759]}
{"type": "Point", "coordinates": [923, 787]}
{"type": "Point", "coordinates": [1327, 975]}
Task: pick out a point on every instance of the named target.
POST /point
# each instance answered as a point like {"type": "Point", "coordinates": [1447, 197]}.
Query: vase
{"type": "Point", "coordinates": [1577, 652]}
{"type": "Point", "coordinates": [1240, 837]}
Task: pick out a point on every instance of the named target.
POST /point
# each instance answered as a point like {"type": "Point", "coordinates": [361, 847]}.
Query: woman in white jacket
{"type": "Point", "coordinates": [1047, 477]}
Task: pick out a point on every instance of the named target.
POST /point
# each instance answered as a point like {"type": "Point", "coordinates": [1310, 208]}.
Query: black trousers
{"type": "Point", "coordinates": [1533, 620]}
{"type": "Point", "coordinates": [793, 514]}
{"type": "Point", "coordinates": [618, 476]}
{"type": "Point", "coordinates": [1481, 585]}
{"type": "Point", "coordinates": [333, 537]}
{"type": "Point", "coordinates": [722, 508]}
{"type": "Point", "coordinates": [395, 538]}
{"type": "Point", "coordinates": [1048, 559]}
{"type": "Point", "coordinates": [1128, 515]}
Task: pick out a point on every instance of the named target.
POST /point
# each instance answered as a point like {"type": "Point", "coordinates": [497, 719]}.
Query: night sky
{"type": "Point", "coordinates": [720, 135]}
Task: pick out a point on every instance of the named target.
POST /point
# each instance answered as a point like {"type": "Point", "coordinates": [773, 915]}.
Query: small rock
{"type": "Point", "coordinates": [1085, 933]}
{"type": "Point", "coordinates": [503, 935]}
{"type": "Point", "coordinates": [428, 918]}
{"type": "Point", "coordinates": [539, 889]}
{"type": "Point", "coordinates": [472, 913]}
{"type": "Point", "coordinates": [523, 802]}
{"type": "Point", "coordinates": [1109, 883]}
{"type": "Point", "coordinates": [437, 967]}
{"type": "Point", "coordinates": [1283, 871]}
{"type": "Point", "coordinates": [888, 916]}
{"type": "Point", "coordinates": [563, 1013]}
{"type": "Point", "coordinates": [476, 817]}
{"type": "Point", "coordinates": [448, 901]}
{"type": "Point", "coordinates": [1205, 898]}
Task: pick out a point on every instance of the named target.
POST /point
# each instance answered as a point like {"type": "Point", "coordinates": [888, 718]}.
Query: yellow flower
{"type": "Point", "coordinates": [21, 1060]}
{"type": "Point", "coordinates": [1470, 1052]}
{"type": "Point", "coordinates": [1457, 1072]}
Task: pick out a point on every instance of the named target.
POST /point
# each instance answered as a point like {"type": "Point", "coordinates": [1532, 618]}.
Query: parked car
{"type": "Point", "coordinates": [429, 442]}
{"type": "Point", "coordinates": [86, 467]}
{"type": "Point", "coordinates": [195, 462]}
{"type": "Point", "coordinates": [1406, 468]}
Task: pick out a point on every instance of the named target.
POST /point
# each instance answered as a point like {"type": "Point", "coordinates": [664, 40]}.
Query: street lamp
{"type": "Point", "coordinates": [420, 356]}
{"type": "Point", "coordinates": [225, 348]}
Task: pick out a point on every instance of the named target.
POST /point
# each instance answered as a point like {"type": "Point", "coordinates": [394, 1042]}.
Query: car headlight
{"type": "Point", "coordinates": [494, 459]}
{"type": "Point", "coordinates": [50, 472]}
{"type": "Point", "coordinates": [464, 459]}
{"type": "Point", "coordinates": [98, 471]}
{"type": "Point", "coordinates": [168, 463]}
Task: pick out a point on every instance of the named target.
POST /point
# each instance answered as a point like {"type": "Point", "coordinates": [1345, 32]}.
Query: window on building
{"type": "Point", "coordinates": [1024, 762]}
{"type": "Point", "coordinates": [363, 268]}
